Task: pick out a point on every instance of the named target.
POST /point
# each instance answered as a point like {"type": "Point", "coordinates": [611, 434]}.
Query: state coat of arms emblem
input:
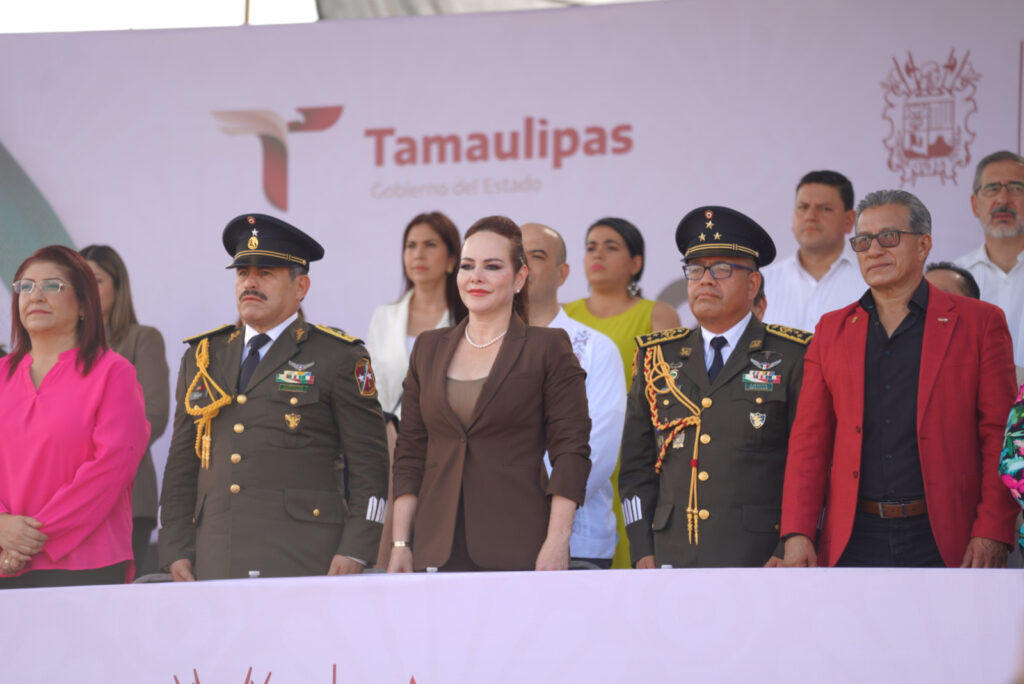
{"type": "Point", "coordinates": [928, 107]}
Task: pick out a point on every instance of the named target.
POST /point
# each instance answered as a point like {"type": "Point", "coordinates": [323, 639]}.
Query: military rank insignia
{"type": "Point", "coordinates": [760, 380]}
{"type": "Point", "coordinates": [766, 360]}
{"type": "Point", "coordinates": [365, 381]}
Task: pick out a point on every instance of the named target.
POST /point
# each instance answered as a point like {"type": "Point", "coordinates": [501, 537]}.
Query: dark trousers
{"type": "Point", "coordinates": [142, 528]}
{"type": "Point", "coordinates": [111, 574]}
{"type": "Point", "coordinates": [891, 543]}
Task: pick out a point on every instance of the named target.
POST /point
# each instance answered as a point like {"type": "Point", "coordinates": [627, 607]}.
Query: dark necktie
{"type": "Point", "coordinates": [251, 360]}
{"type": "Point", "coordinates": [716, 363]}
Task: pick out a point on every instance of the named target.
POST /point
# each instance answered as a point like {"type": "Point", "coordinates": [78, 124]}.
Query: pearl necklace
{"type": "Point", "coordinates": [485, 344]}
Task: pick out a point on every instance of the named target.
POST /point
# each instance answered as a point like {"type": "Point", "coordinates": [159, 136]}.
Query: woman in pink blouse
{"type": "Point", "coordinates": [74, 429]}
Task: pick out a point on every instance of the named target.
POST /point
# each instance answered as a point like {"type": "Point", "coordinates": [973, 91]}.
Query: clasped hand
{"type": "Point", "coordinates": [20, 539]}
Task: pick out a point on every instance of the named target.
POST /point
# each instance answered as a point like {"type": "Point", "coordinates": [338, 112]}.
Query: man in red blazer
{"type": "Point", "coordinates": [895, 447]}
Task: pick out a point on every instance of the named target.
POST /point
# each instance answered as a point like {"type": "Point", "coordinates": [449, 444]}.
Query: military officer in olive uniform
{"type": "Point", "coordinates": [278, 461]}
{"type": "Point", "coordinates": [709, 412]}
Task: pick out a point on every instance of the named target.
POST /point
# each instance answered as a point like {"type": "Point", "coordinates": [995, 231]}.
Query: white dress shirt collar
{"type": "Point", "coordinates": [273, 333]}
{"type": "Point", "coordinates": [732, 336]}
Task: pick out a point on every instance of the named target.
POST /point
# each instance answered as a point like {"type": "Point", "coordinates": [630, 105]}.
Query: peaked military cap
{"type": "Point", "coordinates": [261, 240]}
{"type": "Point", "coordinates": [721, 231]}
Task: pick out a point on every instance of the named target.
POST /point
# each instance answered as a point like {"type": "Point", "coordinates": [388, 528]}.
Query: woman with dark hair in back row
{"type": "Point", "coordinates": [74, 430]}
{"type": "Point", "coordinates": [143, 346]}
{"type": "Point", "coordinates": [613, 264]}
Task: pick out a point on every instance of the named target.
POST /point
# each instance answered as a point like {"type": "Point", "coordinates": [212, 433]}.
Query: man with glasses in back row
{"type": "Point", "coordinates": [998, 264]}
{"type": "Point", "coordinates": [709, 413]}
{"type": "Point", "coordinates": [902, 409]}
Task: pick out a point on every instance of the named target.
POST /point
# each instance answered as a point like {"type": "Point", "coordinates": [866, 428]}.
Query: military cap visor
{"type": "Point", "coordinates": [261, 240]}
{"type": "Point", "coordinates": [721, 231]}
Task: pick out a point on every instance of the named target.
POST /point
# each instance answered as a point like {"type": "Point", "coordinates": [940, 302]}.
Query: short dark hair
{"type": "Point", "coordinates": [833, 178]}
{"type": "Point", "coordinates": [631, 235]}
{"type": "Point", "coordinates": [507, 228]}
{"type": "Point", "coordinates": [970, 285]}
{"type": "Point", "coordinates": [1001, 155]}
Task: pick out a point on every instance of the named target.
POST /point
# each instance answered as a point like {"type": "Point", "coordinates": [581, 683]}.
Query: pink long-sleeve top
{"type": "Point", "coordinates": [68, 456]}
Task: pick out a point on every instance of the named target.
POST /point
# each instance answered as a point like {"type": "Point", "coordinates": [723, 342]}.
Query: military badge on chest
{"type": "Point", "coordinates": [298, 379]}
{"type": "Point", "coordinates": [764, 379]}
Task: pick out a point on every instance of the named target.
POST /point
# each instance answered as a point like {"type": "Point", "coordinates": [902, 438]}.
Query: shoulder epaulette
{"type": "Point", "coordinates": [792, 334]}
{"type": "Point", "coordinates": [661, 336]}
{"type": "Point", "coordinates": [339, 334]}
{"type": "Point", "coordinates": [210, 333]}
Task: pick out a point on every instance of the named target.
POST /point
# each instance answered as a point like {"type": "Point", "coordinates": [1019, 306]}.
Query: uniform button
{"type": "Point", "coordinates": [706, 402]}
{"type": "Point", "coordinates": [776, 527]}
{"type": "Point", "coordinates": [759, 400]}
{"type": "Point", "coordinates": [858, 429]}
{"type": "Point", "coordinates": [236, 458]}
{"type": "Point", "coordinates": [705, 438]}
{"type": "Point", "coordinates": [239, 428]}
{"type": "Point", "coordinates": [193, 520]}
{"type": "Point", "coordinates": [293, 401]}
{"type": "Point", "coordinates": [855, 474]}
{"type": "Point", "coordinates": [703, 514]}
{"type": "Point", "coordinates": [665, 403]}
{"type": "Point", "coordinates": [703, 476]}
{"type": "Point", "coordinates": [235, 489]}
{"type": "Point", "coordinates": [241, 399]}
{"type": "Point", "coordinates": [316, 512]}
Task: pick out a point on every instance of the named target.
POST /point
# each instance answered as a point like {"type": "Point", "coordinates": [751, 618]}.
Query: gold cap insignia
{"type": "Point", "coordinates": [293, 420]}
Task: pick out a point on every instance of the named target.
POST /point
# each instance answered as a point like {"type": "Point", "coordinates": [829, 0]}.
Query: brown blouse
{"type": "Point", "coordinates": [462, 397]}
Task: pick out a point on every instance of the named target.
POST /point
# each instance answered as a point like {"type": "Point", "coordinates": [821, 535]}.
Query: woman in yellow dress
{"type": "Point", "coordinates": [613, 263]}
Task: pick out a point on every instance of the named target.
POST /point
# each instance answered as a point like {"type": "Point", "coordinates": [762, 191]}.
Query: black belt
{"type": "Point", "coordinates": [892, 509]}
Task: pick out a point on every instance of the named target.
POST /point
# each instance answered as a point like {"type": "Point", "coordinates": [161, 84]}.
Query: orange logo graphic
{"type": "Point", "coordinates": [272, 131]}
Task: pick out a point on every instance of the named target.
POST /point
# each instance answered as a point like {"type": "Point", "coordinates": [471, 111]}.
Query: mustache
{"type": "Point", "coordinates": [252, 293]}
{"type": "Point", "coordinates": [1003, 209]}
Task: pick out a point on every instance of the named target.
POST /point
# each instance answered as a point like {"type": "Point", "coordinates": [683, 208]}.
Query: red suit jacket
{"type": "Point", "coordinates": [965, 391]}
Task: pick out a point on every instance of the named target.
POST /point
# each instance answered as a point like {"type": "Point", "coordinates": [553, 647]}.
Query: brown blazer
{"type": "Point", "coordinates": [533, 400]}
{"type": "Point", "coordinates": [143, 346]}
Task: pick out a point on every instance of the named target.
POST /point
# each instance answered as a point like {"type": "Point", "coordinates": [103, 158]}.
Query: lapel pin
{"type": "Point", "coordinates": [943, 321]}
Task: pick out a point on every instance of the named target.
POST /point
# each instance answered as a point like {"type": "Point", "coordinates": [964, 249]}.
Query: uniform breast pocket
{"type": "Point", "coordinates": [763, 418]}
{"type": "Point", "coordinates": [291, 417]}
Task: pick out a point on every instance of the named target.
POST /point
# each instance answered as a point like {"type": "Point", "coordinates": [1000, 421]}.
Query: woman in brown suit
{"type": "Point", "coordinates": [144, 348]}
{"type": "Point", "coordinates": [482, 402]}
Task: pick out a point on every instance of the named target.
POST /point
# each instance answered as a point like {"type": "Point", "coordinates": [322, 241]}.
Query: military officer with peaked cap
{"type": "Point", "coordinates": [709, 412]}
{"type": "Point", "coordinates": [278, 461]}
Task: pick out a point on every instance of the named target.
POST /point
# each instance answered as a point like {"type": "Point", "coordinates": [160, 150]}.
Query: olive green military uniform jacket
{"type": "Point", "coordinates": [297, 465]}
{"type": "Point", "coordinates": [740, 425]}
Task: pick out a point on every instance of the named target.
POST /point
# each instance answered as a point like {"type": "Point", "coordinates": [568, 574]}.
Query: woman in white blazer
{"type": "Point", "coordinates": [430, 251]}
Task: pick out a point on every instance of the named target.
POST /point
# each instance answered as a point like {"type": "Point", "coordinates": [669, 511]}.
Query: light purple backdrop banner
{"type": "Point", "coordinates": [150, 141]}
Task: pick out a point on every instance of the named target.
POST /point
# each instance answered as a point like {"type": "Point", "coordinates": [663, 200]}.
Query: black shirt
{"type": "Point", "coordinates": [890, 462]}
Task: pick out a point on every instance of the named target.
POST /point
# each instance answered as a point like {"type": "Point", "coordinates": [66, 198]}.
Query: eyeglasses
{"type": "Point", "coordinates": [1014, 188]}
{"type": "Point", "coordinates": [719, 271]}
{"type": "Point", "coordinates": [50, 286]}
{"type": "Point", "coordinates": [887, 238]}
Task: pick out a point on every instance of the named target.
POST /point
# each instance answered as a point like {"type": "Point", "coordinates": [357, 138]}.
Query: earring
{"type": "Point", "coordinates": [633, 288]}
{"type": "Point", "coordinates": [449, 270]}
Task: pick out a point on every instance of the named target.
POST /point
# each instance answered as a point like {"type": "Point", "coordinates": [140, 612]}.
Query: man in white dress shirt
{"type": "Point", "coordinates": [998, 264]}
{"type": "Point", "coordinates": [593, 529]}
{"type": "Point", "coordinates": [823, 274]}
